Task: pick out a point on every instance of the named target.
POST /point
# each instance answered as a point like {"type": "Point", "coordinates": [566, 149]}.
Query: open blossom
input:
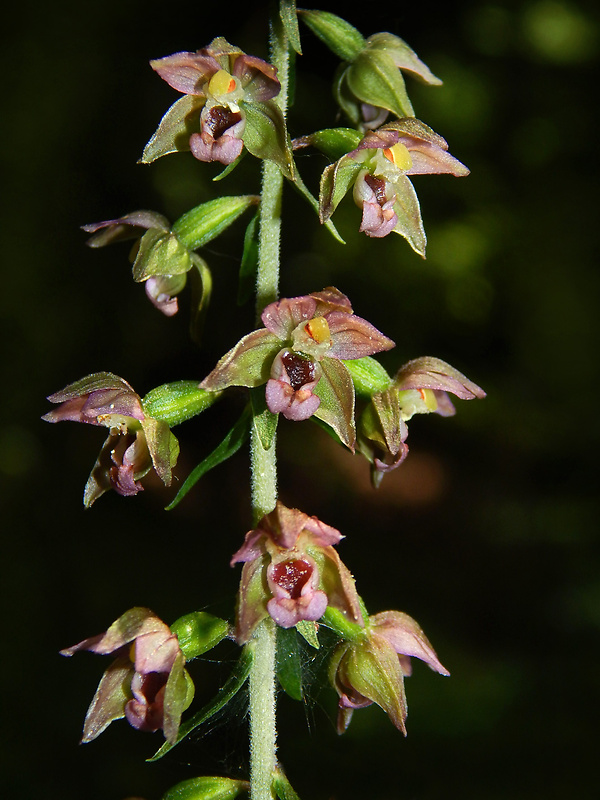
{"type": "Point", "coordinates": [218, 82]}
{"type": "Point", "coordinates": [146, 683]}
{"type": "Point", "coordinates": [298, 354]}
{"type": "Point", "coordinates": [378, 170]}
{"type": "Point", "coordinates": [136, 443]}
{"type": "Point", "coordinates": [372, 669]}
{"type": "Point", "coordinates": [292, 572]}
{"type": "Point", "coordinates": [421, 386]}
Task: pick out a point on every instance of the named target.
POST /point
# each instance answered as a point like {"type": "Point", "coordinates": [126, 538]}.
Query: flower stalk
{"type": "Point", "coordinates": [263, 732]}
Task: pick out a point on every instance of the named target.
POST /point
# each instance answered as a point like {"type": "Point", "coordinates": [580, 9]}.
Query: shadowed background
{"type": "Point", "coordinates": [487, 534]}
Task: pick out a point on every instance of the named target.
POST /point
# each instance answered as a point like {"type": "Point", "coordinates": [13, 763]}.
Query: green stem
{"type": "Point", "coordinates": [263, 732]}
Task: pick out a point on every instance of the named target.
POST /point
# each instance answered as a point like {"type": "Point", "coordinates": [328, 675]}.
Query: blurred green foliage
{"type": "Point", "coordinates": [487, 534]}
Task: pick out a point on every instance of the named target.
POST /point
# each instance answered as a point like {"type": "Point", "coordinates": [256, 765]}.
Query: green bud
{"type": "Point", "coordinates": [368, 376]}
{"type": "Point", "coordinates": [205, 222]}
{"type": "Point", "coordinates": [199, 632]}
{"type": "Point", "coordinates": [177, 402]}
{"type": "Point", "coordinates": [339, 36]}
{"type": "Point", "coordinates": [207, 788]}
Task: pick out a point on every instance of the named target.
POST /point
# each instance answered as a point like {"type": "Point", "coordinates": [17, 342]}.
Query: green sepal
{"type": "Point", "coordinates": [179, 693]}
{"type": "Point", "coordinates": [333, 142]}
{"type": "Point", "coordinates": [265, 135]}
{"type": "Point", "coordinates": [289, 665]}
{"type": "Point", "coordinates": [249, 262]}
{"type": "Point", "coordinates": [227, 692]}
{"type": "Point", "coordinates": [177, 402]}
{"type": "Point", "coordinates": [160, 253]}
{"type": "Point", "coordinates": [368, 376]}
{"type": "Point", "coordinates": [289, 20]}
{"type": "Point", "coordinates": [408, 211]}
{"type": "Point", "coordinates": [336, 390]}
{"type": "Point", "coordinates": [199, 632]}
{"type": "Point", "coordinates": [228, 447]}
{"type": "Point", "coordinates": [375, 79]}
{"type": "Point", "coordinates": [207, 788]}
{"type": "Point", "coordinates": [339, 36]}
{"type": "Point", "coordinates": [205, 222]}
{"type": "Point", "coordinates": [404, 57]}
{"type": "Point", "coordinates": [336, 180]}
{"type": "Point", "coordinates": [309, 632]}
{"type": "Point", "coordinates": [175, 128]}
{"type": "Point", "coordinates": [263, 420]}
{"type": "Point", "coordinates": [282, 787]}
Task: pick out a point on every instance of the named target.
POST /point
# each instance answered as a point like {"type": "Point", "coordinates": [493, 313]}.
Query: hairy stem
{"type": "Point", "coordinates": [263, 732]}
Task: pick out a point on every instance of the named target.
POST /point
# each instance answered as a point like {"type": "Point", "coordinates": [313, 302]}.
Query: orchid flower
{"type": "Point", "coordinates": [372, 668]}
{"type": "Point", "coordinates": [377, 170]}
{"type": "Point", "coordinates": [136, 442]}
{"type": "Point", "coordinates": [147, 683]}
{"type": "Point", "coordinates": [298, 354]}
{"type": "Point", "coordinates": [292, 572]}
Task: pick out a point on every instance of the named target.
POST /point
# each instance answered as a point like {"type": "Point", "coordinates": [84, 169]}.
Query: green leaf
{"type": "Point", "coordinates": [205, 222]}
{"type": "Point", "coordinates": [263, 420]}
{"type": "Point", "coordinates": [336, 391]}
{"type": "Point", "coordinates": [339, 36]}
{"type": "Point", "coordinates": [201, 284]}
{"type": "Point", "coordinates": [265, 135]}
{"type": "Point", "coordinates": [231, 687]}
{"type": "Point", "coordinates": [249, 262]}
{"type": "Point", "coordinates": [368, 376]}
{"type": "Point", "coordinates": [207, 788]}
{"type": "Point", "coordinates": [178, 401]}
{"type": "Point", "coordinates": [230, 445]}
{"type": "Point", "coordinates": [199, 632]}
{"type": "Point", "coordinates": [289, 665]}
{"type": "Point", "coordinates": [308, 631]}
{"type": "Point", "coordinates": [289, 20]}
{"type": "Point", "coordinates": [375, 79]}
{"type": "Point", "coordinates": [282, 787]}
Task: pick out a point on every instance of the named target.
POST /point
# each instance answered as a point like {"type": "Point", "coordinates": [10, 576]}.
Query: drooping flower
{"type": "Point", "coordinates": [421, 386]}
{"type": "Point", "coordinates": [292, 572]}
{"type": "Point", "coordinates": [160, 260]}
{"type": "Point", "coordinates": [369, 82]}
{"type": "Point", "coordinates": [147, 683]}
{"type": "Point", "coordinates": [377, 170]}
{"type": "Point", "coordinates": [372, 669]}
{"type": "Point", "coordinates": [298, 354]}
{"type": "Point", "coordinates": [136, 442]}
{"type": "Point", "coordinates": [226, 105]}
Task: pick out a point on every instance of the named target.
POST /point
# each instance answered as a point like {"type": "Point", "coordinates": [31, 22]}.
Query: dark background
{"type": "Point", "coordinates": [487, 534]}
